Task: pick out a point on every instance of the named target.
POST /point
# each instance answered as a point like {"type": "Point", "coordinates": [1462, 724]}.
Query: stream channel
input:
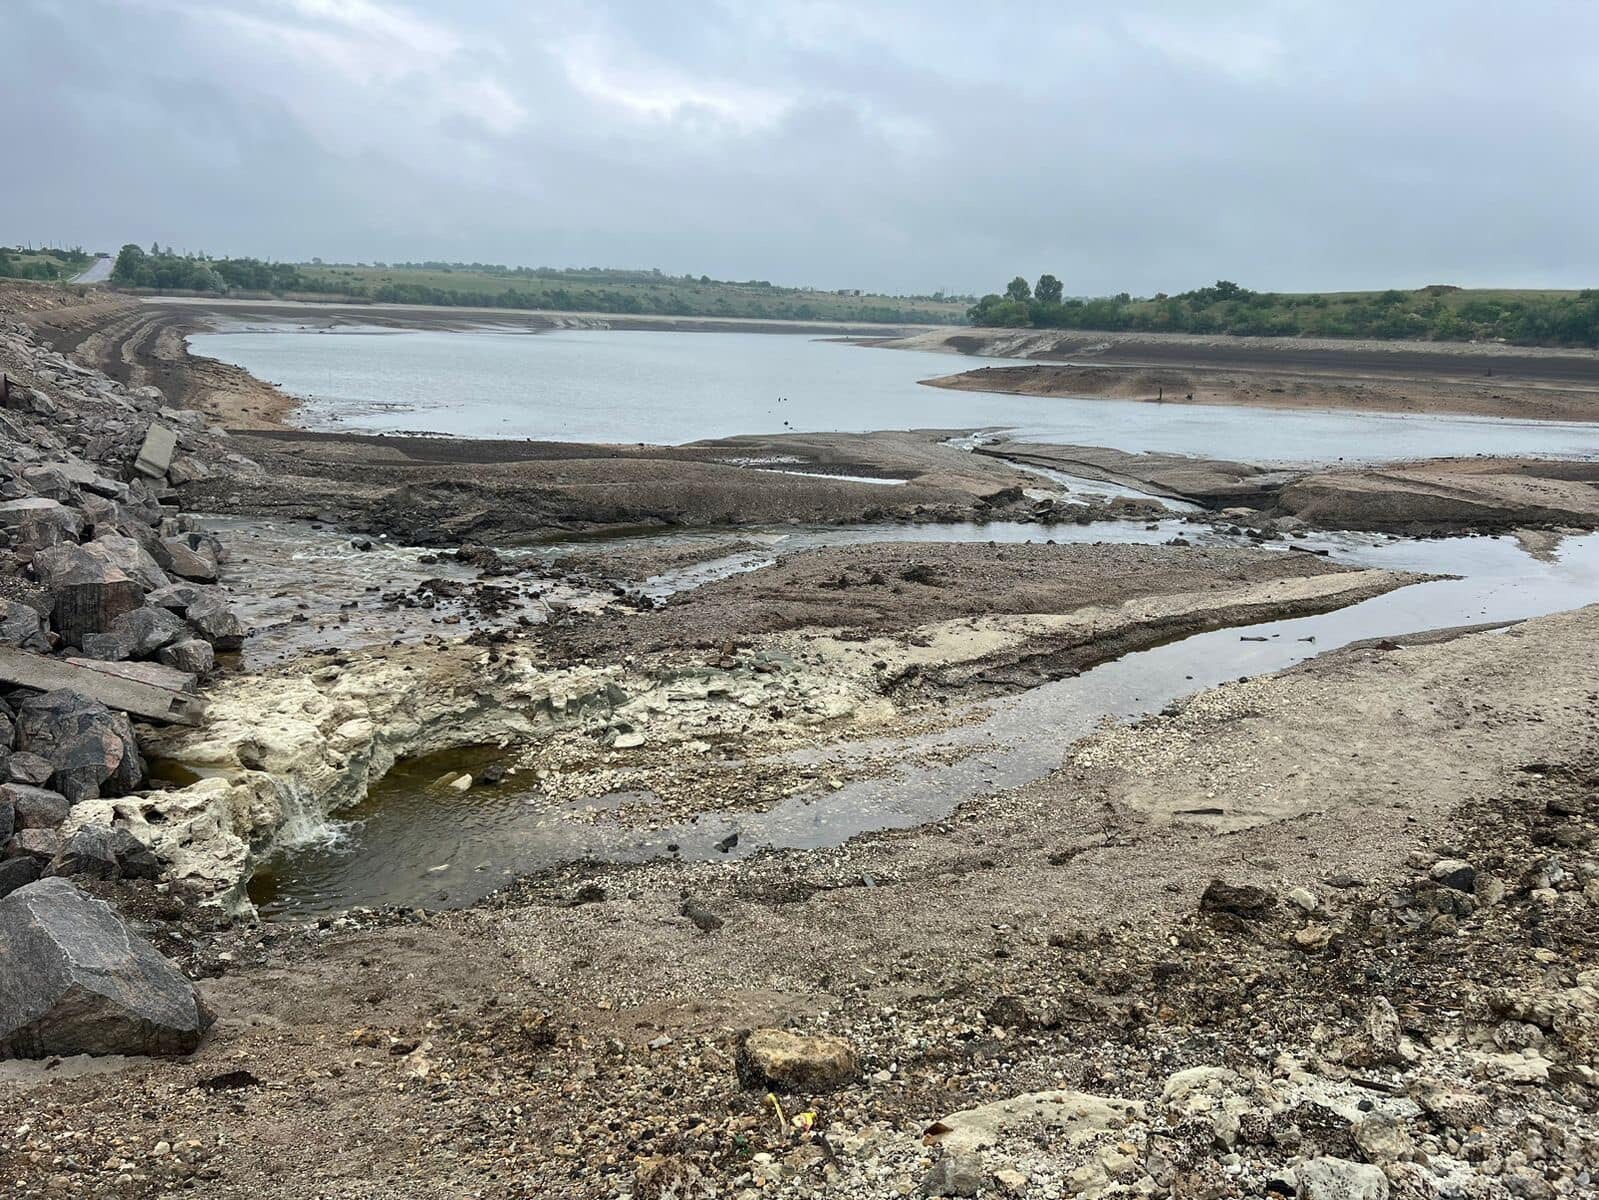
{"type": "Point", "coordinates": [412, 842]}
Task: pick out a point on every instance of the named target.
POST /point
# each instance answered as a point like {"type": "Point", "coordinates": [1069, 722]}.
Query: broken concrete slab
{"type": "Point", "coordinates": [155, 701]}
{"type": "Point", "coordinates": [155, 455]}
{"type": "Point", "coordinates": [84, 983]}
{"type": "Point", "coordinates": [168, 678]}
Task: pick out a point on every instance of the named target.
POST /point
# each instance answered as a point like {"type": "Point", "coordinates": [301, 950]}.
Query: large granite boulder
{"type": "Point", "coordinates": [92, 749]}
{"type": "Point", "coordinates": [129, 557]}
{"type": "Point", "coordinates": [18, 872]}
{"type": "Point", "coordinates": [22, 626]}
{"type": "Point", "coordinates": [32, 807]}
{"type": "Point", "coordinates": [35, 510]}
{"type": "Point", "coordinates": [106, 852]}
{"type": "Point", "coordinates": [189, 556]}
{"type": "Point", "coordinates": [189, 654]}
{"type": "Point", "coordinates": [89, 593]}
{"type": "Point", "coordinates": [138, 634]}
{"type": "Point", "coordinates": [214, 621]}
{"type": "Point", "coordinates": [79, 981]}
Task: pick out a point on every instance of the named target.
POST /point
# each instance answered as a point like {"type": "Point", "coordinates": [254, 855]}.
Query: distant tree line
{"type": "Point", "coordinates": [1437, 313]}
{"type": "Point", "coordinates": [612, 291]}
{"type": "Point", "coordinates": [165, 270]}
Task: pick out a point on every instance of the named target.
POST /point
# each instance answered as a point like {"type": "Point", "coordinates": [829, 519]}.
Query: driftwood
{"type": "Point", "coordinates": [146, 690]}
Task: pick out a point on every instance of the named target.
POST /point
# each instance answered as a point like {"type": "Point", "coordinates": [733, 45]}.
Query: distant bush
{"type": "Point", "coordinates": [48, 263]}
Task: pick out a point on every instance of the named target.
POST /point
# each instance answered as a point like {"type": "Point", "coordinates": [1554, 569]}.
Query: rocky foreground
{"type": "Point", "coordinates": [108, 603]}
{"type": "Point", "coordinates": [1366, 973]}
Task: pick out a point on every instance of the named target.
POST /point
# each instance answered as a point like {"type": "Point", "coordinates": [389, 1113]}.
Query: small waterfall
{"type": "Point", "coordinates": [305, 825]}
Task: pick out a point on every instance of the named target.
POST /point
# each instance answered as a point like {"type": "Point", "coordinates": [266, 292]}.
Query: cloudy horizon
{"type": "Point", "coordinates": [900, 147]}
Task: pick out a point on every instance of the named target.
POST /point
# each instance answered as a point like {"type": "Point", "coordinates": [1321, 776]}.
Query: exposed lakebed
{"type": "Point", "coordinates": [415, 840]}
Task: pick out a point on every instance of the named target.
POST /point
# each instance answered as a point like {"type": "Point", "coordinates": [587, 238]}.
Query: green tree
{"type": "Point", "coordinates": [1049, 290]}
{"type": "Point", "coordinates": [1018, 290]}
{"type": "Point", "coordinates": [129, 266]}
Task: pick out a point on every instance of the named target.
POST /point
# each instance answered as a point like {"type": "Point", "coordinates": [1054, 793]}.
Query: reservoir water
{"type": "Point", "coordinates": [671, 387]}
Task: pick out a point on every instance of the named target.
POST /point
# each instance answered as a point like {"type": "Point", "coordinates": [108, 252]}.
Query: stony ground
{"type": "Point", "coordinates": [1395, 994]}
{"type": "Point", "coordinates": [895, 586]}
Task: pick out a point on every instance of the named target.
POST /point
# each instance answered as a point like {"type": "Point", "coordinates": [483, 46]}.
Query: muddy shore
{"type": "Point", "coordinates": [1319, 933]}
{"type": "Point", "coordinates": [419, 489]}
{"type": "Point", "coordinates": [1523, 383]}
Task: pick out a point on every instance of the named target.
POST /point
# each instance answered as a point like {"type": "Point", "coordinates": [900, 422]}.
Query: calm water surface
{"type": "Point", "coordinates": [670, 388]}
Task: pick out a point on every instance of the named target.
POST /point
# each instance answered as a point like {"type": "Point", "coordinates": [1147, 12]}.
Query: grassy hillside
{"type": "Point", "coordinates": [489, 286]}
{"type": "Point", "coordinates": [44, 263]}
{"type": "Point", "coordinates": [1437, 313]}
{"type": "Point", "coordinates": [603, 290]}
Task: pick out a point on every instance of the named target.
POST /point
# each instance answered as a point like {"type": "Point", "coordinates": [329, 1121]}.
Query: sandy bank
{"type": "Point", "coordinates": [1525, 383]}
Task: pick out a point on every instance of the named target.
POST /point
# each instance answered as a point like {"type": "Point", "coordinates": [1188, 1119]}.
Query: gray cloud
{"type": "Point", "coordinates": [1150, 145]}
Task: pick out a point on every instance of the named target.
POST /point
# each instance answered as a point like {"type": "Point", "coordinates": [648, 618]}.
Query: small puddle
{"type": "Point", "coordinates": [415, 843]}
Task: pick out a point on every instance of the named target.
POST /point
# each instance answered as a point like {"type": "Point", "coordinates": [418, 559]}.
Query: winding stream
{"type": "Point", "coordinates": [407, 845]}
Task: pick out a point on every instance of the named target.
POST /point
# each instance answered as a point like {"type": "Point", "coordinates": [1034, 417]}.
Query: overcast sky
{"type": "Point", "coordinates": [1140, 145]}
